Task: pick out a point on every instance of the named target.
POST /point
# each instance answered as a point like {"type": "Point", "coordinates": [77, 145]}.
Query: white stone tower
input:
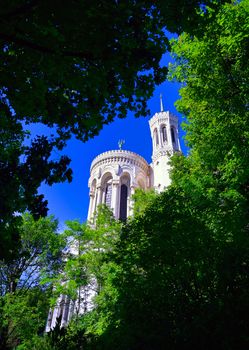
{"type": "Point", "coordinates": [165, 141]}
{"type": "Point", "coordinates": [114, 175]}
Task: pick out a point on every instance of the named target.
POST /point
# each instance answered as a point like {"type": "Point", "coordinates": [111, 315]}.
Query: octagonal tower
{"type": "Point", "coordinates": [165, 141]}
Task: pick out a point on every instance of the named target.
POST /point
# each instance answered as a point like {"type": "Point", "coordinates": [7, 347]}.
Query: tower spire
{"type": "Point", "coordinates": [161, 102]}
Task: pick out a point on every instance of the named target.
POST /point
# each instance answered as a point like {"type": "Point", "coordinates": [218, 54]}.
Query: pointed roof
{"type": "Point", "coordinates": [161, 103]}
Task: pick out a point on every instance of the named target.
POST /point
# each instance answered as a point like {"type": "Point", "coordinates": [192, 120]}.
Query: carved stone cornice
{"type": "Point", "coordinates": [115, 182]}
{"type": "Point", "coordinates": [163, 117]}
{"type": "Point", "coordinates": [162, 153]}
{"type": "Point", "coordinates": [119, 157]}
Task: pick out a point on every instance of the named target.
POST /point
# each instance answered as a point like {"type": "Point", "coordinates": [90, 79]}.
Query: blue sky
{"type": "Point", "coordinates": [70, 201]}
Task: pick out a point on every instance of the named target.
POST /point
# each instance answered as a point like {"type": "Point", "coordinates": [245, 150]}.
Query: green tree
{"type": "Point", "coordinates": [88, 267]}
{"type": "Point", "coordinates": [142, 199]}
{"type": "Point", "coordinates": [157, 259]}
{"type": "Point", "coordinates": [88, 247]}
{"type": "Point", "coordinates": [24, 298]}
{"type": "Point", "coordinates": [19, 180]}
{"type": "Point", "coordinates": [214, 72]}
{"type": "Point", "coordinates": [38, 257]}
{"type": "Point", "coordinates": [74, 68]}
{"type": "Point", "coordinates": [182, 264]}
{"type": "Point", "coordinates": [23, 318]}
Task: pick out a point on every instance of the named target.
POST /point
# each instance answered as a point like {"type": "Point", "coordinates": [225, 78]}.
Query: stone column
{"type": "Point", "coordinates": [49, 321]}
{"type": "Point", "coordinates": [94, 202]}
{"type": "Point", "coordinates": [178, 140]}
{"type": "Point", "coordinates": [91, 206]}
{"type": "Point", "coordinates": [71, 309]}
{"type": "Point", "coordinates": [56, 311]}
{"type": "Point", "coordinates": [130, 203]}
{"type": "Point", "coordinates": [99, 196]}
{"type": "Point", "coordinates": [114, 206]}
{"type": "Point", "coordinates": [65, 312]}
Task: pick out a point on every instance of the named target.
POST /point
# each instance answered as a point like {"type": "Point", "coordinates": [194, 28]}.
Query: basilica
{"type": "Point", "coordinates": [114, 176]}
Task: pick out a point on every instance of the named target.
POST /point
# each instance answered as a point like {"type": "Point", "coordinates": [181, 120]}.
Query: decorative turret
{"type": "Point", "coordinates": [165, 140]}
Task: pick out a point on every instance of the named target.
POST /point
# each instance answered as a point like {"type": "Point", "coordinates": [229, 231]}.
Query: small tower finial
{"type": "Point", "coordinates": [120, 144]}
{"type": "Point", "coordinates": [161, 102]}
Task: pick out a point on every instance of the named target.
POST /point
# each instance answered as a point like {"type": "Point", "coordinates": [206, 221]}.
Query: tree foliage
{"type": "Point", "coordinates": [22, 169]}
{"type": "Point", "coordinates": [182, 264]}
{"type": "Point", "coordinates": [76, 66]}
{"type": "Point", "coordinates": [23, 318]}
{"type": "Point", "coordinates": [24, 295]}
{"type": "Point", "coordinates": [142, 199]}
{"type": "Point", "coordinates": [73, 68]}
{"type": "Point", "coordinates": [88, 269]}
{"type": "Point", "coordinates": [176, 275]}
{"type": "Point", "coordinates": [181, 283]}
{"type": "Point", "coordinates": [88, 246]}
{"type": "Point", "coordinates": [214, 70]}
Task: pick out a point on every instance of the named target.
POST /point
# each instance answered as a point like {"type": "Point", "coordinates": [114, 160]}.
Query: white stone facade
{"type": "Point", "coordinates": [65, 307]}
{"type": "Point", "coordinates": [165, 139]}
{"type": "Point", "coordinates": [114, 175]}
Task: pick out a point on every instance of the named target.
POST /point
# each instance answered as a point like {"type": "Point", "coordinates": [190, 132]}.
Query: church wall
{"type": "Point", "coordinates": [109, 172]}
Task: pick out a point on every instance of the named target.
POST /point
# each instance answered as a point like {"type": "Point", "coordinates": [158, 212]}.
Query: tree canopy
{"type": "Point", "coordinates": [77, 66]}
{"type": "Point", "coordinates": [25, 286]}
{"type": "Point", "coordinates": [74, 68]}
{"type": "Point", "coordinates": [179, 276]}
{"type": "Point", "coordinates": [175, 276]}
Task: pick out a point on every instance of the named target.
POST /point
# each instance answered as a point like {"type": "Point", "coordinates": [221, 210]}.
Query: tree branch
{"type": "Point", "coordinates": [20, 10]}
{"type": "Point", "coordinates": [25, 43]}
{"type": "Point", "coordinates": [27, 282]}
{"type": "Point", "coordinates": [46, 50]}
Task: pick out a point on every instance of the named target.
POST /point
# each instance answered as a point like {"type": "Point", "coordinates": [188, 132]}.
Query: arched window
{"type": "Point", "coordinates": [156, 137]}
{"type": "Point", "coordinates": [164, 134]}
{"type": "Point", "coordinates": [123, 203]}
{"type": "Point", "coordinates": [108, 193]}
{"type": "Point", "coordinates": [106, 190]}
{"type": "Point", "coordinates": [172, 134]}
